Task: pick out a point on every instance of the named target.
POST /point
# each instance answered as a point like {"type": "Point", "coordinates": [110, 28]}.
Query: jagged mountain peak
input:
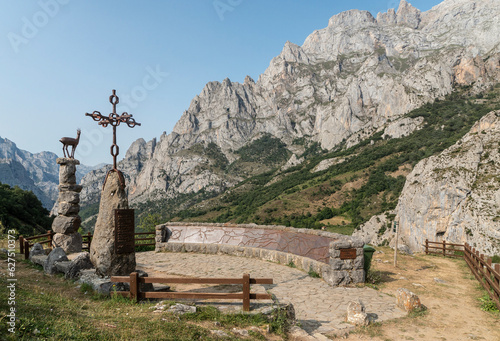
{"type": "Point", "coordinates": [352, 18]}
{"type": "Point", "coordinates": [344, 83]}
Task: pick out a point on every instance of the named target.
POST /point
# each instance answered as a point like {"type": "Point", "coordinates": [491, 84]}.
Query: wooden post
{"type": "Point", "coordinates": [497, 275]}
{"type": "Point", "coordinates": [396, 246]}
{"type": "Point", "coordinates": [444, 248]}
{"type": "Point", "coordinates": [246, 292]}
{"type": "Point", "coordinates": [21, 245]}
{"type": "Point", "coordinates": [50, 238]}
{"type": "Point", "coordinates": [427, 246]}
{"type": "Point", "coordinates": [134, 286]}
{"type": "Point", "coordinates": [26, 249]}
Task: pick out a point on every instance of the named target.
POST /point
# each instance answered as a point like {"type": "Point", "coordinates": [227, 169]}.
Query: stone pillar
{"type": "Point", "coordinates": [102, 249]}
{"type": "Point", "coordinates": [348, 270]}
{"type": "Point", "coordinates": [68, 221]}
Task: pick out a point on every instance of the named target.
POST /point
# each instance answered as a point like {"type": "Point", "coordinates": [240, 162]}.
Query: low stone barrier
{"type": "Point", "coordinates": [337, 258]}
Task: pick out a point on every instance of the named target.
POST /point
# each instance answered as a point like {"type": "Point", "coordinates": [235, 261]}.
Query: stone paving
{"type": "Point", "coordinates": [318, 307]}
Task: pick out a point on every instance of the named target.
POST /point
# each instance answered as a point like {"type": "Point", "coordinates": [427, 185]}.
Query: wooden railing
{"type": "Point", "coordinates": [445, 248]}
{"type": "Point", "coordinates": [485, 272]}
{"type": "Point", "coordinates": [134, 294]}
{"type": "Point", "coordinates": [26, 243]}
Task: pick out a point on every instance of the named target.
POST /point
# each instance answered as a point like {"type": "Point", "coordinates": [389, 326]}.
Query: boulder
{"type": "Point", "coordinates": [70, 243]}
{"type": "Point", "coordinates": [407, 300]}
{"type": "Point", "coordinates": [182, 309]}
{"type": "Point", "coordinates": [62, 266]}
{"type": "Point", "coordinates": [56, 255]}
{"type": "Point", "coordinates": [68, 209]}
{"type": "Point", "coordinates": [356, 314]}
{"type": "Point", "coordinates": [36, 250]}
{"type": "Point", "coordinates": [143, 287]}
{"type": "Point", "coordinates": [66, 225]}
{"type": "Point", "coordinates": [81, 262]}
{"type": "Point", "coordinates": [102, 248]}
{"type": "Point", "coordinates": [39, 259]}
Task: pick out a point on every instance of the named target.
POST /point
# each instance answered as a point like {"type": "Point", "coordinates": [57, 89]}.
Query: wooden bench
{"type": "Point", "coordinates": [134, 280]}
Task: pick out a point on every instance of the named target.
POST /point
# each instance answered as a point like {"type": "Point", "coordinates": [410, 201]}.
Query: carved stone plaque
{"type": "Point", "coordinates": [124, 231]}
{"type": "Point", "coordinates": [347, 253]}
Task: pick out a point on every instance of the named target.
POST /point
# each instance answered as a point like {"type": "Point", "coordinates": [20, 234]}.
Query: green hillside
{"type": "Point", "coordinates": [366, 183]}
{"type": "Point", "coordinates": [21, 210]}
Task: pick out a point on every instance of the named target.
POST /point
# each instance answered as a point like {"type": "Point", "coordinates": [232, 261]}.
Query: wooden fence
{"type": "Point", "coordinates": [26, 243]}
{"type": "Point", "coordinates": [444, 248]}
{"type": "Point", "coordinates": [134, 294]}
{"type": "Point", "coordinates": [485, 272]}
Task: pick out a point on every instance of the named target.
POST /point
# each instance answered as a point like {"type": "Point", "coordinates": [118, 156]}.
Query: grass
{"type": "Point", "coordinates": [51, 308]}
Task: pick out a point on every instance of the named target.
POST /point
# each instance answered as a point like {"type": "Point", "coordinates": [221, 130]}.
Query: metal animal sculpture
{"type": "Point", "coordinates": [69, 141]}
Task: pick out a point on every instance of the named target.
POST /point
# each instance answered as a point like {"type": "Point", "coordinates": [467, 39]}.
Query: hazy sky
{"type": "Point", "coordinates": [61, 58]}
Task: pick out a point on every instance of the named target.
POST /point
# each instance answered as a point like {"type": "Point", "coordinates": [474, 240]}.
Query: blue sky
{"type": "Point", "coordinates": [61, 58]}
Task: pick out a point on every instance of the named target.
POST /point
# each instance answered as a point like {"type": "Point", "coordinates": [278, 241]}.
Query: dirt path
{"type": "Point", "coordinates": [449, 291]}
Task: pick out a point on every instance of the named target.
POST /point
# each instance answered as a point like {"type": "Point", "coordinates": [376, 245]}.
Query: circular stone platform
{"type": "Point", "coordinates": [319, 307]}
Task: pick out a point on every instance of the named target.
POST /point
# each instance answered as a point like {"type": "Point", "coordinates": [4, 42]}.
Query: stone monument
{"type": "Point", "coordinates": [67, 222]}
{"type": "Point", "coordinates": [112, 248]}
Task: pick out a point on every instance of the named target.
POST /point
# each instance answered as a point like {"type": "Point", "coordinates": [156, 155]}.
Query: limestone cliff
{"type": "Point", "coordinates": [455, 196]}
{"type": "Point", "coordinates": [345, 82]}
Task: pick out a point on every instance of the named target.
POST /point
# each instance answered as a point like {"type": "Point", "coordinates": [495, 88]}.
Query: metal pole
{"type": "Point", "coordinates": [396, 246]}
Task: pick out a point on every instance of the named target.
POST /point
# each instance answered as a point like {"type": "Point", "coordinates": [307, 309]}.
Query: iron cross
{"type": "Point", "coordinates": [115, 121]}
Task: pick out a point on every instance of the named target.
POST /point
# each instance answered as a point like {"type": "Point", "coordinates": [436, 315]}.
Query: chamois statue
{"type": "Point", "coordinates": [69, 141]}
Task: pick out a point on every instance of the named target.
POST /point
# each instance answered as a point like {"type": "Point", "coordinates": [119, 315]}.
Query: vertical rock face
{"type": "Point", "coordinates": [455, 196]}
{"type": "Point", "coordinates": [68, 221]}
{"type": "Point", "coordinates": [102, 248]}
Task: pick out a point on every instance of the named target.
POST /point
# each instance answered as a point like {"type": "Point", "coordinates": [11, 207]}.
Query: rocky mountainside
{"type": "Point", "coordinates": [343, 84]}
{"type": "Point", "coordinates": [38, 172]}
{"type": "Point", "coordinates": [455, 196]}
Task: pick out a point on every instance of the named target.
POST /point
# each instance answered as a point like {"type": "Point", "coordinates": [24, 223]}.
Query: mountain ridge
{"type": "Point", "coordinates": [346, 82]}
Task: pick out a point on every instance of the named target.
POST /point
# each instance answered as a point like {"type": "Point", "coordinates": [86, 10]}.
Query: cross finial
{"type": "Point", "coordinates": [115, 121]}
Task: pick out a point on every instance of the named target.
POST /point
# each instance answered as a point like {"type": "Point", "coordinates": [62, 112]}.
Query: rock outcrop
{"type": "Point", "coordinates": [103, 249]}
{"type": "Point", "coordinates": [345, 82]}
{"type": "Point", "coordinates": [455, 196]}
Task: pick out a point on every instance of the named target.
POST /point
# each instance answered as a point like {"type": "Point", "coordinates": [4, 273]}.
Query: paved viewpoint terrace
{"type": "Point", "coordinates": [319, 307]}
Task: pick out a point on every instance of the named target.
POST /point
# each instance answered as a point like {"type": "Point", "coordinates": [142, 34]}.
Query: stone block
{"type": "Point", "coordinates": [39, 259]}
{"type": "Point", "coordinates": [212, 249]}
{"type": "Point", "coordinates": [66, 225]}
{"type": "Point", "coordinates": [67, 173]}
{"type": "Point", "coordinates": [63, 266]}
{"type": "Point", "coordinates": [56, 255]}
{"type": "Point", "coordinates": [358, 276]}
{"type": "Point", "coordinates": [36, 250]}
{"type": "Point", "coordinates": [407, 300]}
{"type": "Point", "coordinates": [70, 188]}
{"type": "Point", "coordinates": [359, 262]}
{"type": "Point", "coordinates": [70, 197]}
{"type": "Point", "coordinates": [356, 314]}
{"type": "Point", "coordinates": [68, 209]}
{"type": "Point", "coordinates": [81, 262]}
{"type": "Point", "coordinates": [70, 243]}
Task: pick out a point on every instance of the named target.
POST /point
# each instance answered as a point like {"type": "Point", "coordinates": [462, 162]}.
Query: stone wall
{"type": "Point", "coordinates": [308, 249]}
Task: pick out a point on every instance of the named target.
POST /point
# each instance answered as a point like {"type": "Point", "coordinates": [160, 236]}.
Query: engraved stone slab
{"type": "Point", "coordinates": [306, 245]}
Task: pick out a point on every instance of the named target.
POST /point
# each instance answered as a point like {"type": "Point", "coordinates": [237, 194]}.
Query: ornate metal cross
{"type": "Point", "coordinates": [115, 121]}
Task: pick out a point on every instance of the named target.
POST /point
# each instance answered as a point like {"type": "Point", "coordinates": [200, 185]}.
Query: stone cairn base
{"type": "Point", "coordinates": [68, 221]}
